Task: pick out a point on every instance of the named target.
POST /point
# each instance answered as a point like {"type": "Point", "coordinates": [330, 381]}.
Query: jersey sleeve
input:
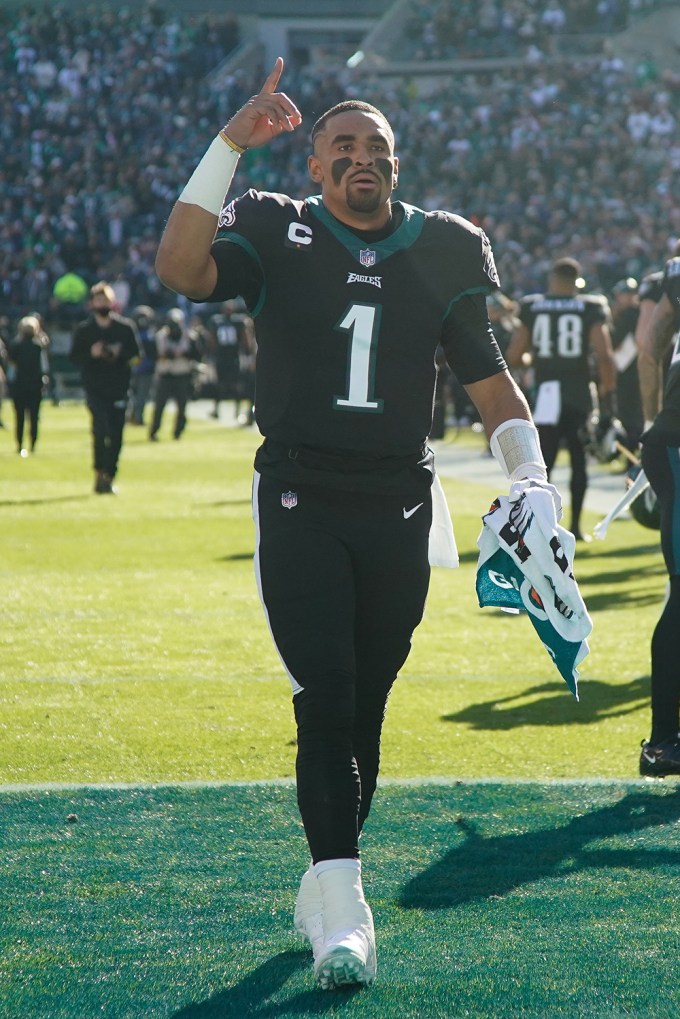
{"type": "Point", "coordinates": [467, 337]}
{"type": "Point", "coordinates": [469, 343]}
{"type": "Point", "coordinates": [235, 250]}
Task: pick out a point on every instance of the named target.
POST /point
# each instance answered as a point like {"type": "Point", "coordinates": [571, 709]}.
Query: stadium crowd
{"type": "Point", "coordinates": [551, 158]}
{"type": "Point", "coordinates": [440, 30]}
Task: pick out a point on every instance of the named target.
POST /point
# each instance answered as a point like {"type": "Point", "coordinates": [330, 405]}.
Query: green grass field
{"type": "Point", "coordinates": [515, 864]}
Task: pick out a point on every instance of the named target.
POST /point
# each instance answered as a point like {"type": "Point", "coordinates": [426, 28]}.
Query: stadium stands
{"type": "Point", "coordinates": [105, 113]}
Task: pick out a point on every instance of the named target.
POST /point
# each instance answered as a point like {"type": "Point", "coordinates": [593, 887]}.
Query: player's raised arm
{"type": "Point", "coordinates": [183, 260]}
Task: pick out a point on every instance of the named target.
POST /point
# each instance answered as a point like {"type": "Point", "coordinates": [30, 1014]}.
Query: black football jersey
{"type": "Point", "coordinates": [347, 328]}
{"type": "Point", "coordinates": [623, 339]}
{"type": "Point", "coordinates": [667, 423]}
{"type": "Point", "coordinates": [559, 327]}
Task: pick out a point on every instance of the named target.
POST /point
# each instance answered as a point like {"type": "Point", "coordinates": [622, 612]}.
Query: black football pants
{"type": "Point", "coordinates": [27, 402]}
{"type": "Point", "coordinates": [569, 428]}
{"type": "Point", "coordinates": [108, 422]}
{"type": "Point", "coordinates": [343, 578]}
{"type": "Point", "coordinates": [662, 466]}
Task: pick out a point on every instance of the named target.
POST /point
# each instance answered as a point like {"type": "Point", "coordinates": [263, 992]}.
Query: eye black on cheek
{"type": "Point", "coordinates": [386, 169]}
{"type": "Point", "coordinates": [339, 168]}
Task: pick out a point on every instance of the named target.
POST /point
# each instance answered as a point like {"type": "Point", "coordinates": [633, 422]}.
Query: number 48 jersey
{"type": "Point", "coordinates": [559, 326]}
{"type": "Point", "coordinates": [347, 328]}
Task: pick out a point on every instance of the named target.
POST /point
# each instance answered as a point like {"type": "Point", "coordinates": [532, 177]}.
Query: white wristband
{"type": "Point", "coordinates": [516, 446]}
{"type": "Point", "coordinates": [210, 181]}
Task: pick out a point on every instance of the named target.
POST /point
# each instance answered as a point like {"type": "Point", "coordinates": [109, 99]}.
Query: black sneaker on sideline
{"type": "Point", "coordinates": [661, 758]}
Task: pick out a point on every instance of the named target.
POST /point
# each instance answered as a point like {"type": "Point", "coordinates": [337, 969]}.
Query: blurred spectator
{"type": "Point", "coordinates": [143, 372]}
{"type": "Point", "coordinates": [177, 355]}
{"type": "Point", "coordinates": [69, 297]}
{"type": "Point", "coordinates": [28, 373]}
{"type": "Point", "coordinates": [104, 347]}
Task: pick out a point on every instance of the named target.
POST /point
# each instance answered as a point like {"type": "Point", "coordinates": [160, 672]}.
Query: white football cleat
{"type": "Point", "coordinates": [347, 955]}
{"type": "Point", "coordinates": [308, 916]}
{"type": "Point", "coordinates": [346, 958]}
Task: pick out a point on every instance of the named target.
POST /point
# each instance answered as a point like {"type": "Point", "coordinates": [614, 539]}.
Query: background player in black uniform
{"type": "Point", "coordinates": [230, 341]}
{"type": "Point", "coordinates": [661, 462]}
{"type": "Point", "coordinates": [625, 308]}
{"type": "Point", "coordinates": [564, 330]}
{"type": "Point", "coordinates": [352, 295]}
{"type": "Point", "coordinates": [104, 347]}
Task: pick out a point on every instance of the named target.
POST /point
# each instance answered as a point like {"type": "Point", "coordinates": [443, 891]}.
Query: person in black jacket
{"type": "Point", "coordinates": [104, 347]}
{"type": "Point", "coordinates": [29, 371]}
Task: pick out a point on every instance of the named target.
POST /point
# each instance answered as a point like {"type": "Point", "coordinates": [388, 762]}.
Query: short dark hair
{"type": "Point", "coordinates": [566, 269]}
{"type": "Point", "coordinates": [346, 107]}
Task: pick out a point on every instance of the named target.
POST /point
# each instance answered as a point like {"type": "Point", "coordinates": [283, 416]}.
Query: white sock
{"type": "Point", "coordinates": [344, 905]}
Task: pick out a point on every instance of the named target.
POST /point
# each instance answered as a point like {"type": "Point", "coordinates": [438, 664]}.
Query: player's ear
{"type": "Point", "coordinates": [395, 173]}
{"type": "Point", "coordinates": [314, 167]}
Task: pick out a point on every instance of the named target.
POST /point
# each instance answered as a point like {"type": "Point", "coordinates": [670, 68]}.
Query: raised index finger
{"type": "Point", "coordinates": [273, 77]}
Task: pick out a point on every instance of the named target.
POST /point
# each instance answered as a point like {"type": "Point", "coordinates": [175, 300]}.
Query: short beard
{"type": "Point", "coordinates": [364, 203]}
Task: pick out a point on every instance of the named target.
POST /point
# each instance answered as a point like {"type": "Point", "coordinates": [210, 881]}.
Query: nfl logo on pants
{"type": "Point", "coordinates": [288, 500]}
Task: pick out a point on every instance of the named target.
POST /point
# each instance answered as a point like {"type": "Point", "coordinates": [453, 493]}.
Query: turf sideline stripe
{"type": "Point", "coordinates": [405, 782]}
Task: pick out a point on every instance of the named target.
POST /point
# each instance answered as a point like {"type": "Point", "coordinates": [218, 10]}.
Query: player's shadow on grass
{"type": "Point", "coordinates": [45, 502]}
{"type": "Point", "coordinates": [483, 867]}
{"type": "Point", "coordinates": [251, 996]}
{"type": "Point", "coordinates": [554, 705]}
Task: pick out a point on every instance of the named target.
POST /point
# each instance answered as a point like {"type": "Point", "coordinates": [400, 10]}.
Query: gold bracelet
{"type": "Point", "coordinates": [232, 145]}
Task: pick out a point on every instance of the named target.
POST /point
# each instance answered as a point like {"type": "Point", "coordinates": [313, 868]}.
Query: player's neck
{"type": "Point", "coordinates": [557, 291]}
{"type": "Point", "coordinates": [378, 220]}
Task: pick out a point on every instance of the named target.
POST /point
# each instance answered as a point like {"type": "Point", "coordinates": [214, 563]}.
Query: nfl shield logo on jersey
{"type": "Point", "coordinates": [288, 500]}
{"type": "Point", "coordinates": [367, 257]}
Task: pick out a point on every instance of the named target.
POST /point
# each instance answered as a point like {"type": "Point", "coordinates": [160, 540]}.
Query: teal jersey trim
{"type": "Point", "coordinates": [403, 237]}
{"type": "Point", "coordinates": [247, 246]}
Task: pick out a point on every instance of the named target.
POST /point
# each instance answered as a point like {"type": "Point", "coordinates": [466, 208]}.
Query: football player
{"type": "Point", "coordinates": [661, 462]}
{"type": "Point", "coordinates": [625, 307]}
{"type": "Point", "coordinates": [352, 295]}
{"type": "Point", "coordinates": [563, 330]}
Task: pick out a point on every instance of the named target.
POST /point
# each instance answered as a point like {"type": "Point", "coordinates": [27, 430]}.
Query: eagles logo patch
{"type": "Point", "coordinates": [489, 265]}
{"type": "Point", "coordinates": [227, 216]}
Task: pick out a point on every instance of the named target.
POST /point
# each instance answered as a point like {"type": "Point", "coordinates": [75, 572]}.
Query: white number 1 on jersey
{"type": "Point", "coordinates": [362, 322]}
